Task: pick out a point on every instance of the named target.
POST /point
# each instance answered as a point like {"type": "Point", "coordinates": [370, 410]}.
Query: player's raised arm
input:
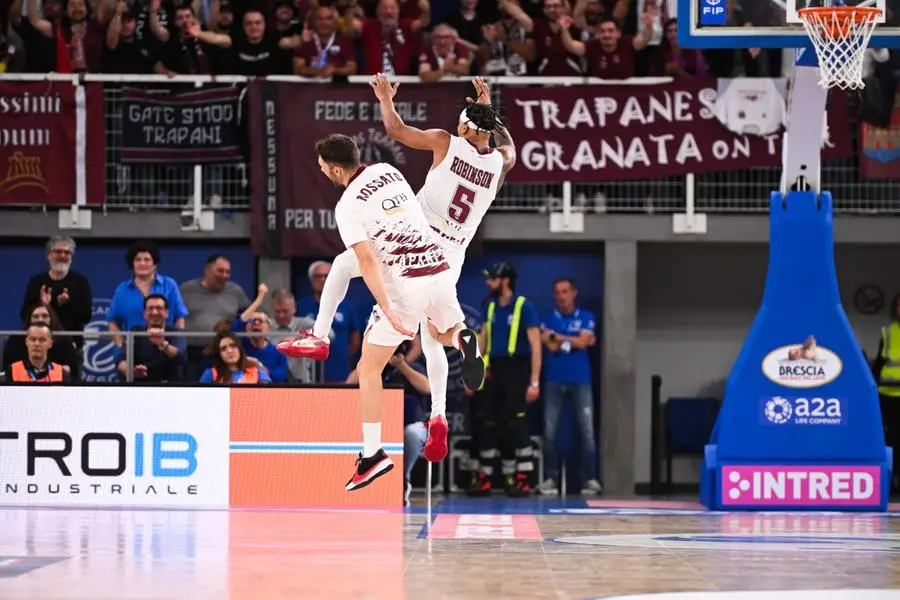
{"type": "Point", "coordinates": [436, 140]}
{"type": "Point", "coordinates": [505, 145]}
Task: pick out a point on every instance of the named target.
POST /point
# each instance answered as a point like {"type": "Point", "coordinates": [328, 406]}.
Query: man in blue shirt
{"type": "Point", "coordinates": [511, 342]}
{"type": "Point", "coordinates": [345, 343]}
{"type": "Point", "coordinates": [567, 333]}
{"type": "Point", "coordinates": [260, 347]}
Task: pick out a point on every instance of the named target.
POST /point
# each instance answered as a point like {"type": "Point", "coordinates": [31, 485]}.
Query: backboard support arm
{"type": "Point", "coordinates": [806, 118]}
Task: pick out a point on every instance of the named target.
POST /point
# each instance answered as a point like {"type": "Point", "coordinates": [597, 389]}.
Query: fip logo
{"type": "Point", "coordinates": [783, 410]}
{"type": "Point", "coordinates": [712, 12]}
{"type": "Point", "coordinates": [100, 353]}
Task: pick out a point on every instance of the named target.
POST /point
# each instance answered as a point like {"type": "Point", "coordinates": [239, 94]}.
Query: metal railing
{"type": "Point", "coordinates": [226, 186]}
{"type": "Point", "coordinates": [129, 336]}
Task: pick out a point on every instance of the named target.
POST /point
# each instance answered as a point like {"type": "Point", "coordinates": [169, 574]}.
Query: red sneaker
{"type": "Point", "coordinates": [305, 345]}
{"type": "Point", "coordinates": [436, 445]}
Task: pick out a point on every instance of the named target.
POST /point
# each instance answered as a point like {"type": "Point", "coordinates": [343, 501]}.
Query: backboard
{"type": "Point", "coordinates": [768, 23]}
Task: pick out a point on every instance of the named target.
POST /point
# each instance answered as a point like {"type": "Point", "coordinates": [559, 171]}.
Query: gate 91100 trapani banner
{"type": "Point", "coordinates": [292, 201]}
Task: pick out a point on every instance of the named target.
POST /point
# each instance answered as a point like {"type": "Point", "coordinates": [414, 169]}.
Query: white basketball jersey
{"type": "Point", "coordinates": [459, 191]}
{"type": "Point", "coordinates": [379, 206]}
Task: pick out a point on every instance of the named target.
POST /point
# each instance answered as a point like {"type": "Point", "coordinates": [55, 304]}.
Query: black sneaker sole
{"type": "Point", "coordinates": [472, 370]}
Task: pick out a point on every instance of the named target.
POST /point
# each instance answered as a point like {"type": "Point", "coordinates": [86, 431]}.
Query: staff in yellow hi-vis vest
{"type": "Point", "coordinates": [886, 369]}
{"type": "Point", "coordinates": [511, 344]}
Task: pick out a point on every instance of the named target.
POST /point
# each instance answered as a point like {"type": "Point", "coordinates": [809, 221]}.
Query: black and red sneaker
{"type": "Point", "coordinates": [517, 486]}
{"type": "Point", "coordinates": [369, 469]}
{"type": "Point", "coordinates": [472, 370]}
{"type": "Point", "coordinates": [480, 486]}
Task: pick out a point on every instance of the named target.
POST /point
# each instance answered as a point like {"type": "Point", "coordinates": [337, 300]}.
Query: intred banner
{"type": "Point", "coordinates": [52, 146]}
{"type": "Point", "coordinates": [632, 132]}
{"type": "Point", "coordinates": [292, 201]}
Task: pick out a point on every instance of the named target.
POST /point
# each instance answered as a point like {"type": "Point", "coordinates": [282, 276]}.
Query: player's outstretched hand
{"type": "Point", "coordinates": [396, 323]}
{"type": "Point", "coordinates": [382, 87]}
{"type": "Point", "coordinates": [483, 95]}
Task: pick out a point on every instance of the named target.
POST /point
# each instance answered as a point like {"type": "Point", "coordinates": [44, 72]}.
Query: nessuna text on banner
{"type": "Point", "coordinates": [166, 125]}
{"type": "Point", "coordinates": [292, 201]}
{"type": "Point", "coordinates": [592, 133]}
{"type": "Point", "coordinates": [42, 146]}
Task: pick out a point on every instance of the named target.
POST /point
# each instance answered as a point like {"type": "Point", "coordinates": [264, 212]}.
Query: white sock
{"type": "Point", "coordinates": [371, 438]}
{"type": "Point", "coordinates": [344, 268]}
{"type": "Point", "coordinates": [438, 370]}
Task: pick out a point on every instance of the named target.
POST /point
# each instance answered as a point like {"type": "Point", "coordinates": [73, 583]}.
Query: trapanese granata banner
{"type": "Point", "coordinates": [622, 132]}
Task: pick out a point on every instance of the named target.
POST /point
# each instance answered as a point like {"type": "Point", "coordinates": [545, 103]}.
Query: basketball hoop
{"type": "Point", "coordinates": [840, 35]}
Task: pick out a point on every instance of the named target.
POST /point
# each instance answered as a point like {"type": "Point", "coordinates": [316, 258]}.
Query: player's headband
{"type": "Point", "coordinates": [465, 120]}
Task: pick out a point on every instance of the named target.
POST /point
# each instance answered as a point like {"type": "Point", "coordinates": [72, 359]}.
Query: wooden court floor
{"type": "Point", "coordinates": [474, 549]}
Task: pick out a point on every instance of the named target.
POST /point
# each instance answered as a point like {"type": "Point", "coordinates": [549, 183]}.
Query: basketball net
{"type": "Point", "coordinates": [840, 35]}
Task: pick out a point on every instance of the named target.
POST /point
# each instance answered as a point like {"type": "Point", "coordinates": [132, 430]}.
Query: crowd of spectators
{"type": "Point", "coordinates": [434, 39]}
{"type": "Point", "coordinates": [167, 313]}
{"type": "Point", "coordinates": [208, 330]}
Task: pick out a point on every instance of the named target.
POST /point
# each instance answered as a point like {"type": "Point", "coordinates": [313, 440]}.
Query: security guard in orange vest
{"type": "Point", "coordinates": [511, 346]}
{"type": "Point", "coordinates": [37, 368]}
{"type": "Point", "coordinates": [886, 369]}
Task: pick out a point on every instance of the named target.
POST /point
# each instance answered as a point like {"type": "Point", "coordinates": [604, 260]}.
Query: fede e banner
{"type": "Point", "coordinates": [293, 202]}
{"type": "Point", "coordinates": [592, 133]}
{"type": "Point", "coordinates": [171, 126]}
{"type": "Point", "coordinates": [51, 151]}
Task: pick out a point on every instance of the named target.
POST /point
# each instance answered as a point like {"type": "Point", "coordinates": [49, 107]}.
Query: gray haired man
{"type": "Point", "coordinates": [284, 309]}
{"type": "Point", "coordinates": [67, 291]}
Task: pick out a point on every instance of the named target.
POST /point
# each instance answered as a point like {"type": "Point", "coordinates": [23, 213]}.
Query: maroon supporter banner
{"type": "Point", "coordinates": [165, 126]}
{"type": "Point", "coordinates": [632, 132]}
{"type": "Point", "coordinates": [292, 201]}
{"type": "Point", "coordinates": [880, 148]}
{"type": "Point", "coordinates": [52, 150]}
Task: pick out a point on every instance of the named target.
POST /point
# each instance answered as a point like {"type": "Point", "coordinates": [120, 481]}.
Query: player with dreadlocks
{"type": "Point", "coordinates": [460, 187]}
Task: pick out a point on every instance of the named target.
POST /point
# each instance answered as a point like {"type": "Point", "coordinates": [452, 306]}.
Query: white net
{"type": "Point", "coordinates": [840, 36]}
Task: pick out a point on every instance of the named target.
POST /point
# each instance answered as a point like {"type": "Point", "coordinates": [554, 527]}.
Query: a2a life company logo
{"type": "Point", "coordinates": [792, 410]}
{"type": "Point", "coordinates": [712, 12]}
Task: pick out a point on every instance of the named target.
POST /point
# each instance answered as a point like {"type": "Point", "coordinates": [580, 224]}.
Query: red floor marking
{"type": "Point", "coordinates": [485, 527]}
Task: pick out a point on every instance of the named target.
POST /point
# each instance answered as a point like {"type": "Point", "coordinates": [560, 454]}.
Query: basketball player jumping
{"type": "Point", "coordinates": [408, 274]}
{"type": "Point", "coordinates": [460, 187]}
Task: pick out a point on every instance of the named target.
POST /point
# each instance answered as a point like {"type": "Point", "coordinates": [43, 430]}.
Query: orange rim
{"type": "Point", "coordinates": [835, 21]}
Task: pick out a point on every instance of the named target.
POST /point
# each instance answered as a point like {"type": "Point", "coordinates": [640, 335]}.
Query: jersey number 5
{"type": "Point", "coordinates": [461, 204]}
